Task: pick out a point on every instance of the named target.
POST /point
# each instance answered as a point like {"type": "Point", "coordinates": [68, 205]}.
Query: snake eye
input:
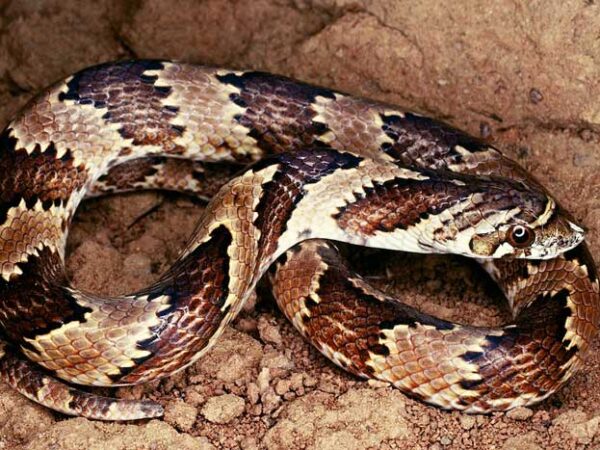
{"type": "Point", "coordinates": [520, 236]}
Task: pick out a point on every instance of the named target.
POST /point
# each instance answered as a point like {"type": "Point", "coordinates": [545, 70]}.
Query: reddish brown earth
{"type": "Point", "coordinates": [526, 75]}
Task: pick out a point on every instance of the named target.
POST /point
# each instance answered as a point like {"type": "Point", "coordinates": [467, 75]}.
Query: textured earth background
{"type": "Point", "coordinates": [525, 75]}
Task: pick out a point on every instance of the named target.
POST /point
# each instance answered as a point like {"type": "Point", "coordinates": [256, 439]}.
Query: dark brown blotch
{"type": "Point", "coordinates": [401, 203]}
{"type": "Point", "coordinates": [345, 302]}
{"type": "Point", "coordinates": [423, 142]}
{"type": "Point", "coordinates": [278, 110]}
{"type": "Point", "coordinates": [37, 301]}
{"type": "Point", "coordinates": [197, 286]}
{"type": "Point", "coordinates": [286, 189]}
{"type": "Point", "coordinates": [131, 99]}
{"type": "Point", "coordinates": [38, 176]}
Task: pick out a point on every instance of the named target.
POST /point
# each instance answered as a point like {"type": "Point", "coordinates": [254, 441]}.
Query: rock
{"type": "Point", "coordinates": [586, 431]}
{"type": "Point", "coordinates": [467, 422]}
{"type": "Point", "coordinates": [270, 401]}
{"type": "Point", "coordinates": [445, 440]}
{"type": "Point", "coordinates": [223, 408]}
{"type": "Point", "coordinates": [520, 413]}
{"type": "Point", "coordinates": [253, 393]}
{"type": "Point", "coordinates": [76, 434]}
{"type": "Point", "coordinates": [263, 380]}
{"type": "Point", "coordinates": [358, 419]}
{"type": "Point", "coordinates": [268, 333]}
{"type": "Point", "coordinates": [524, 442]}
{"type": "Point", "coordinates": [181, 415]}
{"type": "Point", "coordinates": [576, 423]}
{"type": "Point", "coordinates": [310, 381]}
{"type": "Point", "coordinates": [282, 387]}
{"type": "Point", "coordinates": [275, 360]}
{"type": "Point", "coordinates": [73, 47]}
{"type": "Point", "coordinates": [249, 443]}
{"type": "Point", "coordinates": [296, 381]}
{"type": "Point", "coordinates": [193, 397]}
{"type": "Point", "coordinates": [234, 357]}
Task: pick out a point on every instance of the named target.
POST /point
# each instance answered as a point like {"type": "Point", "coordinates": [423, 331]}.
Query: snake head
{"type": "Point", "coordinates": [542, 237]}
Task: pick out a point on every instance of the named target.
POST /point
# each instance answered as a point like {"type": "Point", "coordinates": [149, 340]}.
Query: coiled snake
{"type": "Point", "coordinates": [325, 166]}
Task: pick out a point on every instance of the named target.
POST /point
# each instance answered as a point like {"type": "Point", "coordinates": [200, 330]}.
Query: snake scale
{"type": "Point", "coordinates": [291, 168]}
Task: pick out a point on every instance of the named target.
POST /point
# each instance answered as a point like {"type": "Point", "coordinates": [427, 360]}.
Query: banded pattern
{"type": "Point", "coordinates": [323, 165]}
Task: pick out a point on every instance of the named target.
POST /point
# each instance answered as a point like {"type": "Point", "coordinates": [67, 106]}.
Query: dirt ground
{"type": "Point", "coordinates": [525, 75]}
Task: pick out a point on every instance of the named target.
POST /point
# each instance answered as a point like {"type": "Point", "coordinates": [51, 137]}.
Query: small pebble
{"type": "Point", "coordinates": [270, 401]}
{"type": "Point", "coordinates": [467, 422]}
{"type": "Point", "coordinates": [263, 380]}
{"type": "Point", "coordinates": [193, 397]}
{"type": "Point", "coordinates": [445, 440]}
{"type": "Point", "coordinates": [256, 410]}
{"type": "Point", "coordinates": [181, 415]}
{"type": "Point", "coordinates": [296, 381]}
{"type": "Point", "coordinates": [520, 413]}
{"type": "Point", "coordinates": [282, 387]}
{"type": "Point", "coordinates": [535, 96]}
{"type": "Point", "coordinates": [268, 333]}
{"type": "Point", "coordinates": [249, 443]}
{"type": "Point", "coordinates": [310, 381]}
{"type": "Point", "coordinates": [223, 408]}
{"type": "Point", "coordinates": [253, 393]}
{"type": "Point", "coordinates": [275, 360]}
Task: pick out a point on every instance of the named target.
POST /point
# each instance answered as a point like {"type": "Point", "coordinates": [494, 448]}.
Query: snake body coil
{"type": "Point", "coordinates": [318, 164]}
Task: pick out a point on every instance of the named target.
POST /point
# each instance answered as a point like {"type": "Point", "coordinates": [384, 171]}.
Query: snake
{"type": "Point", "coordinates": [289, 170]}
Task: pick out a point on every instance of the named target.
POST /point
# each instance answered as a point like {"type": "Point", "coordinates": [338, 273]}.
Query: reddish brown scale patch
{"type": "Point", "coordinates": [424, 142]}
{"type": "Point", "coordinates": [362, 317]}
{"type": "Point", "coordinates": [530, 357]}
{"type": "Point", "coordinates": [126, 175]}
{"type": "Point", "coordinates": [398, 204]}
{"type": "Point", "coordinates": [29, 379]}
{"type": "Point", "coordinates": [36, 176]}
{"type": "Point", "coordinates": [36, 302]}
{"type": "Point", "coordinates": [179, 175]}
{"type": "Point", "coordinates": [401, 203]}
{"type": "Point", "coordinates": [131, 99]}
{"type": "Point", "coordinates": [286, 189]}
{"type": "Point", "coordinates": [278, 110]}
{"type": "Point", "coordinates": [197, 286]}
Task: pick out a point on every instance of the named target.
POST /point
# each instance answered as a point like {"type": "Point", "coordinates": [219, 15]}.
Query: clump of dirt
{"type": "Point", "coordinates": [523, 75]}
